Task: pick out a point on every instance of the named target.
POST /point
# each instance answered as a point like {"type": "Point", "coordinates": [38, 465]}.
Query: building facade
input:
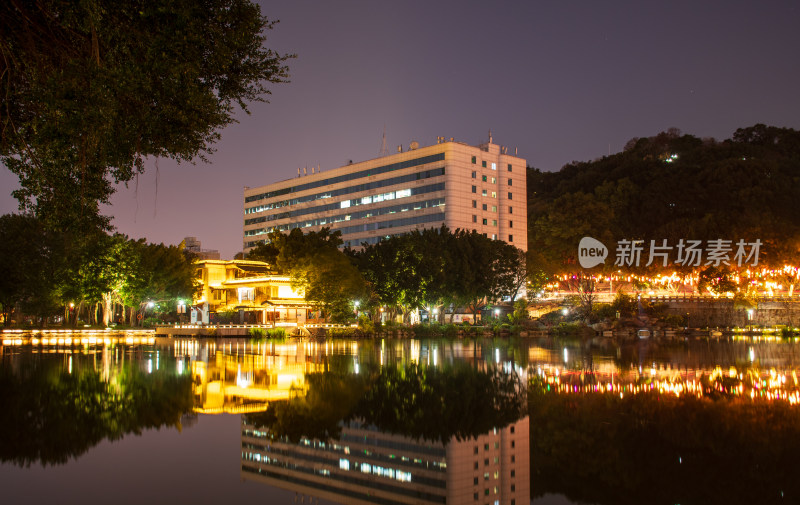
{"type": "Point", "coordinates": [252, 291]}
{"type": "Point", "coordinates": [450, 183]}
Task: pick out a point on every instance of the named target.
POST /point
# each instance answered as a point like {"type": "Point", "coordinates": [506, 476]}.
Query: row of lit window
{"type": "Point", "coordinates": [483, 163]}
{"type": "Point", "coordinates": [348, 177]}
{"type": "Point", "coordinates": [493, 194]}
{"type": "Point", "coordinates": [401, 179]}
{"type": "Point", "coordinates": [353, 216]}
{"type": "Point", "coordinates": [393, 223]}
{"type": "Point", "coordinates": [485, 178]}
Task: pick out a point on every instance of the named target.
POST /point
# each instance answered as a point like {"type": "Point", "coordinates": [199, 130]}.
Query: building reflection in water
{"type": "Point", "coordinates": [366, 466]}
{"type": "Point", "coordinates": [359, 462]}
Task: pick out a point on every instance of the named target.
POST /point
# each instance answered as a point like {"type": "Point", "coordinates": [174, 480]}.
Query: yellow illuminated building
{"type": "Point", "coordinates": [252, 289]}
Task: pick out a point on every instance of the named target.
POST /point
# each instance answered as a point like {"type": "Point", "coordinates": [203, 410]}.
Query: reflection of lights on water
{"type": "Point", "coordinates": [150, 365]}
{"type": "Point", "coordinates": [497, 355]}
{"type": "Point", "coordinates": [566, 355]}
{"type": "Point", "coordinates": [752, 354]}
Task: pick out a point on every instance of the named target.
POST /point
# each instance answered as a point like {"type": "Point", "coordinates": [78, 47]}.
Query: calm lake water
{"type": "Point", "coordinates": [480, 421]}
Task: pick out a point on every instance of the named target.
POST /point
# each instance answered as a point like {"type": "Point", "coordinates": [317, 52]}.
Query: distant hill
{"type": "Point", "coordinates": [673, 186]}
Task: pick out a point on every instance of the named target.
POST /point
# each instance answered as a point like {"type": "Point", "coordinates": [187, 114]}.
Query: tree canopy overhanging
{"type": "Point", "coordinates": [91, 89]}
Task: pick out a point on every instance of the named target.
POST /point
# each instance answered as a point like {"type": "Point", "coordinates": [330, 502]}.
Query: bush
{"type": "Point", "coordinates": [276, 333]}
{"type": "Point", "coordinates": [365, 324]}
{"type": "Point", "coordinates": [626, 305]}
{"type": "Point", "coordinates": [256, 332]}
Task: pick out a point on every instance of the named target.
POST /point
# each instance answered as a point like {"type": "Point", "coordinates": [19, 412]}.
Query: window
{"type": "Point", "coordinates": [496, 475]}
{"type": "Point", "coordinates": [512, 428]}
{"type": "Point", "coordinates": [496, 444]}
{"type": "Point", "coordinates": [486, 462]}
{"type": "Point", "coordinates": [486, 476]}
{"type": "Point", "coordinates": [475, 481]}
{"type": "Point", "coordinates": [494, 180]}
{"type": "Point", "coordinates": [476, 464]}
{"type": "Point", "coordinates": [509, 196]}
{"type": "Point", "coordinates": [475, 496]}
{"type": "Point", "coordinates": [509, 167]}
{"type": "Point", "coordinates": [483, 164]}
{"type": "Point", "coordinates": [511, 238]}
{"type": "Point", "coordinates": [513, 473]}
{"type": "Point", "coordinates": [510, 182]}
{"type": "Point", "coordinates": [494, 166]}
{"type": "Point", "coordinates": [475, 220]}
{"type": "Point", "coordinates": [483, 178]}
{"type": "Point", "coordinates": [475, 450]}
{"type": "Point", "coordinates": [483, 192]}
{"type": "Point", "coordinates": [484, 206]}
{"type": "Point", "coordinates": [511, 225]}
{"type": "Point", "coordinates": [484, 222]}
{"type": "Point", "coordinates": [474, 174]}
{"type": "Point", "coordinates": [513, 488]}
{"type": "Point", "coordinates": [513, 458]}
{"type": "Point", "coordinates": [494, 194]}
{"type": "Point", "coordinates": [485, 447]}
{"type": "Point", "coordinates": [512, 442]}
{"type": "Point", "coordinates": [474, 189]}
{"type": "Point", "coordinates": [511, 211]}
{"type": "Point", "coordinates": [486, 492]}
{"type": "Point", "coordinates": [494, 208]}
{"type": "Point", "coordinates": [474, 204]}
{"type": "Point", "coordinates": [494, 223]}
{"type": "Point", "coordinates": [473, 160]}
{"type": "Point", "coordinates": [494, 237]}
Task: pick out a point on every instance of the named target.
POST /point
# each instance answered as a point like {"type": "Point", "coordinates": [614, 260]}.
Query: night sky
{"type": "Point", "coordinates": [560, 80]}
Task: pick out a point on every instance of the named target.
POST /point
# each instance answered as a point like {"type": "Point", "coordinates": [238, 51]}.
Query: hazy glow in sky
{"type": "Point", "coordinates": [560, 81]}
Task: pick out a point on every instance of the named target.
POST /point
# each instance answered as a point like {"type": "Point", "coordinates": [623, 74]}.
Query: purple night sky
{"type": "Point", "coordinates": [560, 80]}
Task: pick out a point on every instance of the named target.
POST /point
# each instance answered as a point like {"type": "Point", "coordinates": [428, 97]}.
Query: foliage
{"type": "Point", "coordinates": [93, 88]}
{"type": "Point", "coordinates": [625, 304]}
{"type": "Point", "coordinates": [44, 271]}
{"type": "Point", "coordinates": [55, 415]}
{"type": "Point", "coordinates": [673, 187]}
{"type": "Point", "coordinates": [318, 268]}
{"type": "Point", "coordinates": [433, 268]}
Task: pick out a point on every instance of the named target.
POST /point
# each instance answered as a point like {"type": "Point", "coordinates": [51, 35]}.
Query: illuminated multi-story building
{"type": "Point", "coordinates": [367, 466]}
{"type": "Point", "coordinates": [450, 183]}
{"type": "Point", "coordinates": [251, 288]}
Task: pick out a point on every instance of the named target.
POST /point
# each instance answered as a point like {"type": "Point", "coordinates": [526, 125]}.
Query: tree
{"type": "Point", "coordinates": [317, 267]}
{"type": "Point", "coordinates": [91, 89]}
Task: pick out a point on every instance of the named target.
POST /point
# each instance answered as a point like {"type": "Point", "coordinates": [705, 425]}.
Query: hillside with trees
{"type": "Point", "coordinates": [671, 187]}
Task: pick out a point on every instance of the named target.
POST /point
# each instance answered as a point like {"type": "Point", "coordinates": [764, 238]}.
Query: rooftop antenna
{"type": "Point", "coordinates": [298, 171]}
{"type": "Point", "coordinates": [305, 170]}
{"type": "Point", "coordinates": [384, 151]}
{"type": "Point", "coordinates": [490, 135]}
